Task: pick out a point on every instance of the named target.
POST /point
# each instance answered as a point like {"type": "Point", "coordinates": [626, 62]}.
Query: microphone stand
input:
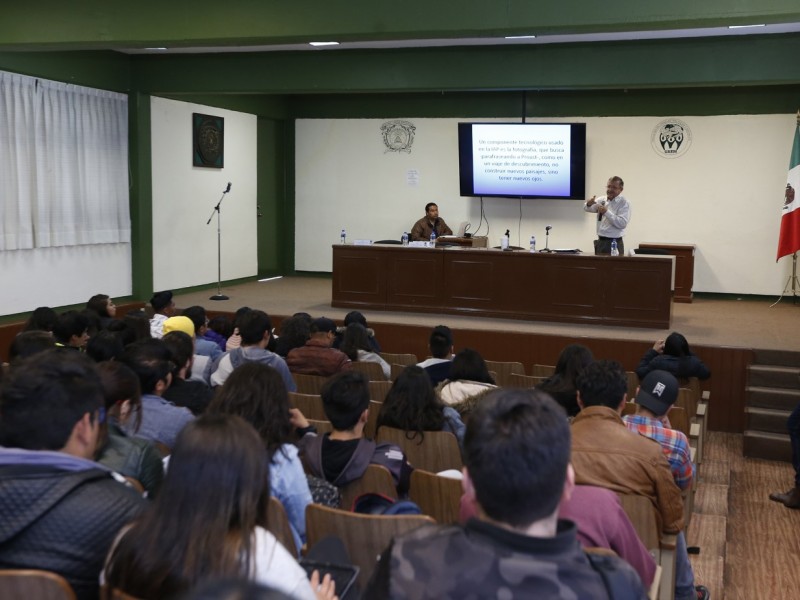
{"type": "Point", "coordinates": [546, 241]}
{"type": "Point", "coordinates": [219, 295]}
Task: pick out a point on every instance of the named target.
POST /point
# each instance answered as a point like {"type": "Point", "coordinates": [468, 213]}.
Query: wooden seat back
{"type": "Point", "coordinates": [437, 496]}
{"type": "Point", "coordinates": [543, 370]}
{"type": "Point", "coordinates": [372, 371]}
{"type": "Point", "coordinates": [376, 479]}
{"type": "Point", "coordinates": [364, 536]}
{"type": "Point", "coordinates": [399, 359]}
{"type": "Point", "coordinates": [435, 451]}
{"type": "Point", "coordinates": [278, 525]}
{"type": "Point", "coordinates": [379, 389]}
{"type": "Point", "coordinates": [34, 584]}
{"type": "Point", "coordinates": [309, 384]}
{"type": "Point", "coordinates": [515, 380]}
{"type": "Point", "coordinates": [308, 404]}
{"type": "Point", "coordinates": [504, 369]}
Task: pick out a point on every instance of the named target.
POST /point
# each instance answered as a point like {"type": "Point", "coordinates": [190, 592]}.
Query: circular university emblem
{"type": "Point", "coordinates": [398, 136]}
{"type": "Point", "coordinates": [671, 138]}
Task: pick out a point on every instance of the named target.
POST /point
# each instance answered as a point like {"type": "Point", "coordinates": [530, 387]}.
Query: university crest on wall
{"type": "Point", "coordinates": [398, 136]}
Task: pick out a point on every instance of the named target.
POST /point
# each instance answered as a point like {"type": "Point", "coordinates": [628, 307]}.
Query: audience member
{"type": "Point", "coordinates": [161, 419]}
{"type": "Point", "coordinates": [673, 356]}
{"type": "Point", "coordinates": [208, 521]}
{"type": "Point", "coordinates": [104, 307]}
{"type": "Point", "coordinates": [468, 381]}
{"type": "Point", "coordinates": [71, 330]}
{"type": "Point", "coordinates": [235, 339]}
{"type": "Point", "coordinates": [28, 343]}
{"type": "Point", "coordinates": [219, 330]}
{"type": "Point", "coordinates": [61, 510]}
{"type": "Point", "coordinates": [317, 357]}
{"type": "Point", "coordinates": [202, 345]}
{"type": "Point", "coordinates": [255, 327]}
{"type": "Point", "coordinates": [256, 393]}
{"type": "Point", "coordinates": [295, 332]}
{"type": "Point", "coordinates": [440, 344]}
{"type": "Point", "coordinates": [655, 396]}
{"type": "Point", "coordinates": [412, 405]}
{"type": "Point", "coordinates": [561, 385]}
{"type": "Point", "coordinates": [202, 366]}
{"type": "Point", "coordinates": [163, 309]}
{"type": "Point", "coordinates": [606, 454]}
{"type": "Point", "coordinates": [138, 323]}
{"type": "Point", "coordinates": [343, 455]}
{"type": "Point", "coordinates": [355, 316]}
{"type": "Point", "coordinates": [42, 319]}
{"type": "Point", "coordinates": [104, 345]}
{"type": "Point", "coordinates": [356, 345]}
{"type": "Point", "coordinates": [517, 471]}
{"type": "Point", "coordinates": [184, 391]}
{"type": "Point", "coordinates": [791, 498]}
{"type": "Point", "coordinates": [128, 456]}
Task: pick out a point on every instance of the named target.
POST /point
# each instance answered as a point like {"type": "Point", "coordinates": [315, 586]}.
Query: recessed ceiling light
{"type": "Point", "coordinates": [315, 44]}
{"type": "Point", "coordinates": [520, 37]}
{"type": "Point", "coordinates": [746, 26]}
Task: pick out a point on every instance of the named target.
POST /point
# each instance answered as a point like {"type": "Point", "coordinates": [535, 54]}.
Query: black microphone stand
{"type": "Point", "coordinates": [219, 295]}
{"type": "Point", "coordinates": [547, 240]}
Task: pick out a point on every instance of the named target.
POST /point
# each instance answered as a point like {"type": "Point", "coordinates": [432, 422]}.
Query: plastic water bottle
{"type": "Point", "coordinates": [533, 243]}
{"type": "Point", "coordinates": [343, 237]}
{"type": "Point", "coordinates": [433, 238]}
{"type": "Point", "coordinates": [614, 249]}
{"type": "Point", "coordinates": [404, 239]}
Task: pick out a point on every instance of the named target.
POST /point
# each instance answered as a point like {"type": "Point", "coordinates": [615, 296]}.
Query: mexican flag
{"type": "Point", "coordinates": [789, 238]}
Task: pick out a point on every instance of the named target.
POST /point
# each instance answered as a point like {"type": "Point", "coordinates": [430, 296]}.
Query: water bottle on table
{"type": "Point", "coordinates": [404, 239]}
{"type": "Point", "coordinates": [343, 237]}
{"type": "Point", "coordinates": [614, 249]}
{"type": "Point", "coordinates": [533, 243]}
{"type": "Point", "coordinates": [433, 238]}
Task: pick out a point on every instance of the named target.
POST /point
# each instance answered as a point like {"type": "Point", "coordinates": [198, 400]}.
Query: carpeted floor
{"type": "Point", "coordinates": [743, 323]}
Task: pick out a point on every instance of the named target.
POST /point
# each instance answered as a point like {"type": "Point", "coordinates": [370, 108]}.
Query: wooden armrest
{"type": "Point", "coordinates": [701, 410]}
{"type": "Point", "coordinates": [692, 452]}
{"type": "Point", "coordinates": [694, 430]}
{"type": "Point", "coordinates": [706, 395]}
{"type": "Point", "coordinates": [668, 541]}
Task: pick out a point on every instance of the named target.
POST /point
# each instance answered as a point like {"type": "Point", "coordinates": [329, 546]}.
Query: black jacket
{"type": "Point", "coordinates": [61, 517]}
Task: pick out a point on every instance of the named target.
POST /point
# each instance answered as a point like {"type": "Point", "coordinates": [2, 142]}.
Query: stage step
{"type": "Point", "coordinates": [769, 446]}
{"type": "Point", "coordinates": [768, 420]}
{"type": "Point", "coordinates": [774, 376]}
{"type": "Point", "coordinates": [781, 358]}
{"type": "Point", "coordinates": [775, 398]}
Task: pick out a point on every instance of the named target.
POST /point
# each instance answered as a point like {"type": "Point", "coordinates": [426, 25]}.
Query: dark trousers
{"type": "Point", "coordinates": [793, 425]}
{"type": "Point", "coordinates": [603, 246]}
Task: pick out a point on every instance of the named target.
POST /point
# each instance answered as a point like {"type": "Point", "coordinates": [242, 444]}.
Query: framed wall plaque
{"type": "Point", "coordinates": [208, 135]}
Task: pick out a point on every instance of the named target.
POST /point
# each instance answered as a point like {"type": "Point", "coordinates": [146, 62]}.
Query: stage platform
{"type": "Point", "coordinates": [745, 323]}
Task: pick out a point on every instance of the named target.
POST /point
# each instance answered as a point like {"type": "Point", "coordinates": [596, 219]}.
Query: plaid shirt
{"type": "Point", "coordinates": [673, 443]}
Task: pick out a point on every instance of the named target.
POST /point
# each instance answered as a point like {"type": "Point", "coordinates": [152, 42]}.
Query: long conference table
{"type": "Point", "coordinates": [631, 291]}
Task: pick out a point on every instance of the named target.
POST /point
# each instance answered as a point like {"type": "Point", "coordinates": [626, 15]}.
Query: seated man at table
{"type": "Point", "coordinates": [422, 229]}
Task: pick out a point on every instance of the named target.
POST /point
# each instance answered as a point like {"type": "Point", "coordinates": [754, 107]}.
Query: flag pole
{"type": "Point", "coordinates": [791, 282]}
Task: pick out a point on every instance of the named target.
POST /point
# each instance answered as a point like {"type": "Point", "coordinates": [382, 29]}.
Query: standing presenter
{"type": "Point", "coordinates": [421, 231]}
{"type": "Point", "coordinates": [613, 215]}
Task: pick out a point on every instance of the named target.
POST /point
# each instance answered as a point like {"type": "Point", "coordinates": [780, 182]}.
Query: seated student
{"type": "Point", "coordinates": [440, 344]}
{"type": "Point", "coordinates": [295, 332]}
{"type": "Point", "coordinates": [126, 455]}
{"type": "Point", "coordinates": [183, 390]}
{"type": "Point", "coordinates": [60, 509]}
{"type": "Point", "coordinates": [208, 521]}
{"type": "Point", "coordinates": [202, 345]}
{"type": "Point", "coordinates": [517, 471]}
{"type": "Point", "coordinates": [71, 330]}
{"type": "Point", "coordinates": [28, 343]}
{"type": "Point", "coordinates": [104, 345]}
{"type": "Point", "coordinates": [42, 319]}
{"type": "Point", "coordinates": [317, 357]}
{"type": "Point", "coordinates": [104, 307]}
{"type": "Point", "coordinates": [355, 316]}
{"type": "Point", "coordinates": [235, 339]}
{"type": "Point", "coordinates": [655, 396]}
{"type": "Point", "coordinates": [220, 329]}
{"type": "Point", "coordinates": [161, 419]}
{"type": "Point", "coordinates": [256, 330]}
{"type": "Point", "coordinates": [412, 405]}
{"type": "Point", "coordinates": [355, 344]}
{"type": "Point", "coordinates": [257, 393]}
{"type": "Point", "coordinates": [562, 384]}
{"type": "Point", "coordinates": [343, 455]}
{"type": "Point", "coordinates": [163, 308]}
{"type": "Point", "coordinates": [469, 379]}
{"type": "Point", "coordinates": [674, 356]}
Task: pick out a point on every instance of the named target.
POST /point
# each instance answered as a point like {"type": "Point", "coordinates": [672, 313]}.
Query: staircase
{"type": "Point", "coordinates": [773, 391]}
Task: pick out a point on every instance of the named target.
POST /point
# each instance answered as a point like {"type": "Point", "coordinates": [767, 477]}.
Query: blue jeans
{"type": "Point", "coordinates": [793, 425]}
{"type": "Point", "coordinates": [684, 576]}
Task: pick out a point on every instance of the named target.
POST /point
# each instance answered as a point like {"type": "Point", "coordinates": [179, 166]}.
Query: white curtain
{"type": "Point", "coordinates": [63, 164]}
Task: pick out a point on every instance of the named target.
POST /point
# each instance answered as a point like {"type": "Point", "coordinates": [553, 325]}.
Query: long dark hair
{"type": "Point", "coordinates": [120, 383]}
{"type": "Point", "coordinates": [469, 364]}
{"type": "Point", "coordinates": [412, 404]}
{"type": "Point", "coordinates": [256, 393]}
{"type": "Point", "coordinates": [562, 384]}
{"type": "Point", "coordinates": [355, 338]}
{"type": "Point", "coordinates": [676, 345]}
{"type": "Point", "coordinates": [201, 524]}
